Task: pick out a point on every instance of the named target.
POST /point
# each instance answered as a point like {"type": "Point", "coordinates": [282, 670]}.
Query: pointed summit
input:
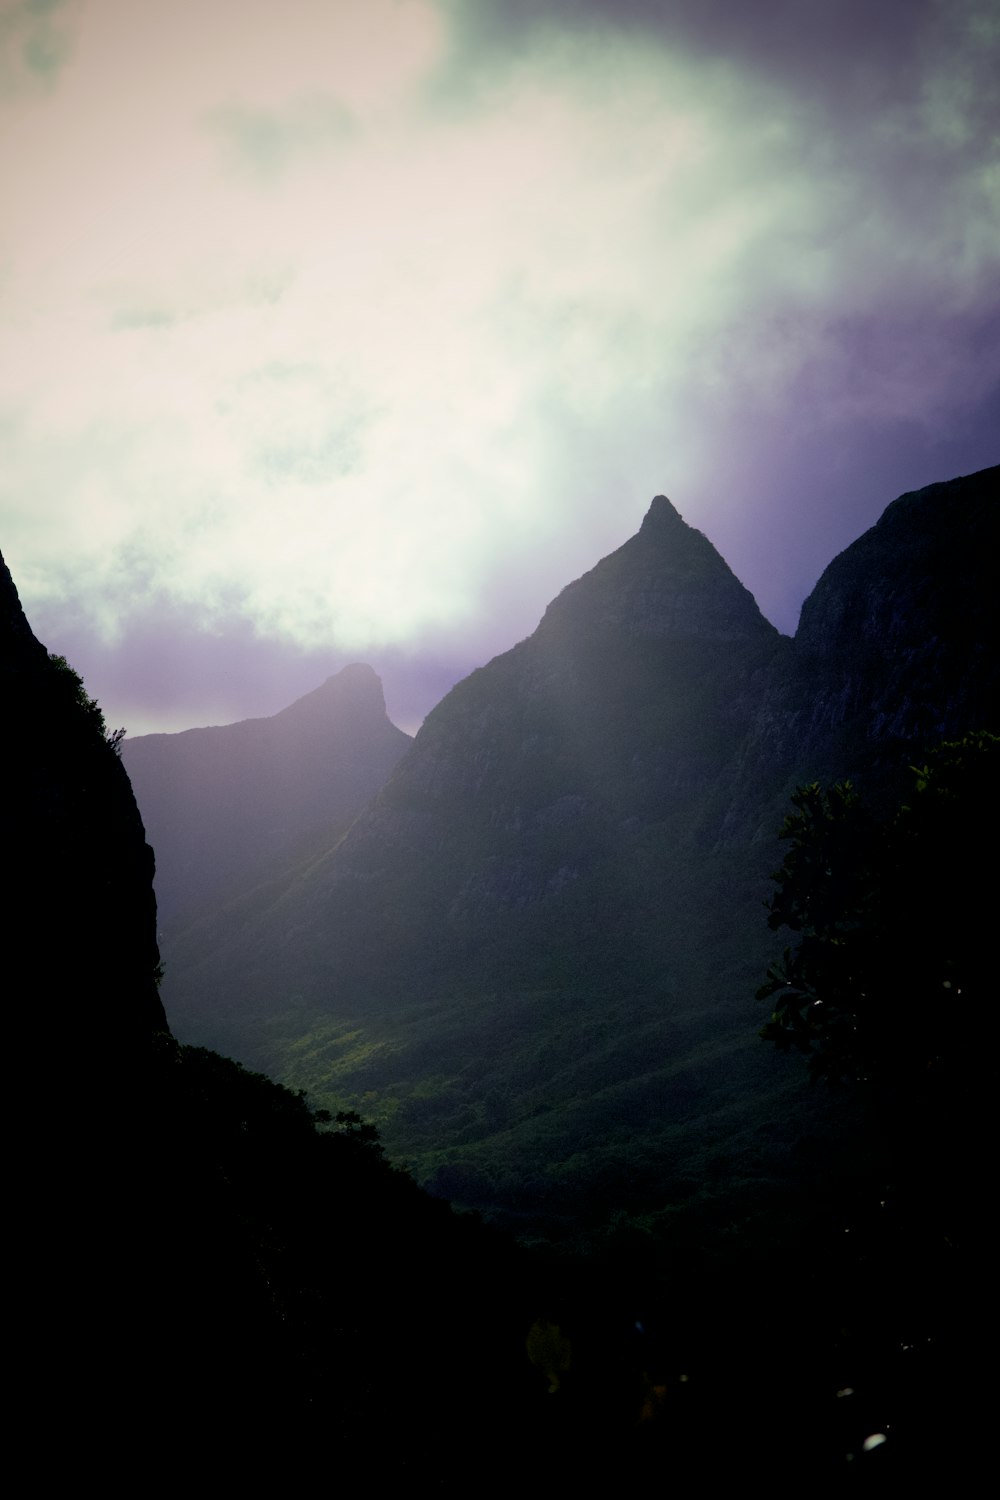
{"type": "Point", "coordinates": [529, 800]}
{"type": "Point", "coordinates": [345, 702]}
{"type": "Point", "coordinates": [228, 802]}
{"type": "Point", "coordinates": [666, 582]}
{"type": "Point", "coordinates": [661, 513]}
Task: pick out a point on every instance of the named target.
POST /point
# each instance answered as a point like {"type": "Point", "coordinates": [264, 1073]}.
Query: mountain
{"type": "Point", "coordinates": [79, 970]}
{"type": "Point", "coordinates": [77, 865]}
{"type": "Point", "coordinates": [538, 775]}
{"type": "Point", "coordinates": [181, 1232]}
{"type": "Point", "coordinates": [533, 956]}
{"type": "Point", "coordinates": [896, 643]}
{"type": "Point", "coordinates": [248, 1281]}
{"type": "Point", "coordinates": [232, 805]}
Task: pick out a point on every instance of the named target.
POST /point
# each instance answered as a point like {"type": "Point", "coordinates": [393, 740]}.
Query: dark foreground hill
{"type": "Point", "coordinates": [206, 1286]}
{"type": "Point", "coordinates": [533, 957]}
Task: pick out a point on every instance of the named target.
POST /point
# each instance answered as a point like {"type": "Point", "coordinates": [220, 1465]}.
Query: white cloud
{"type": "Point", "coordinates": [415, 347]}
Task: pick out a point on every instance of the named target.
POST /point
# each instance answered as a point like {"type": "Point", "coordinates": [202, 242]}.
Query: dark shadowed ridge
{"type": "Point", "coordinates": [180, 1233]}
{"type": "Point", "coordinates": [79, 970]}
{"type": "Point", "coordinates": [75, 852]}
{"type": "Point", "coordinates": [897, 642]}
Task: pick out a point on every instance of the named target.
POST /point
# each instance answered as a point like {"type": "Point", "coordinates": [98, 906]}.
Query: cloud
{"type": "Point", "coordinates": [372, 328]}
{"type": "Point", "coordinates": [266, 142]}
{"type": "Point", "coordinates": [842, 59]}
{"type": "Point", "coordinates": [36, 42]}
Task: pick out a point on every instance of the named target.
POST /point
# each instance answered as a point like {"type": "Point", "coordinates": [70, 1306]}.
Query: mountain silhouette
{"type": "Point", "coordinates": [231, 805]}
{"type": "Point", "coordinates": [538, 945]}
{"type": "Point", "coordinates": [182, 1232]}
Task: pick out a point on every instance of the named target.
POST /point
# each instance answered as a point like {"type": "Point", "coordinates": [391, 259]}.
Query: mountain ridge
{"type": "Point", "coordinates": [583, 829]}
{"type": "Point", "coordinates": [227, 805]}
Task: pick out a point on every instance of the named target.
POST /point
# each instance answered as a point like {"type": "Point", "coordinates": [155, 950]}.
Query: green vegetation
{"type": "Point", "coordinates": [69, 689]}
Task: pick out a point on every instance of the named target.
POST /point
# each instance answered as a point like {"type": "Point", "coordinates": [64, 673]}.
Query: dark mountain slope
{"type": "Point", "coordinates": [206, 1284]}
{"type": "Point", "coordinates": [895, 651]}
{"type": "Point", "coordinates": [534, 955]}
{"type": "Point", "coordinates": [214, 1290]}
{"type": "Point", "coordinates": [523, 909]}
{"type": "Point", "coordinates": [896, 645]}
{"type": "Point", "coordinates": [231, 805]}
{"type": "Point", "coordinates": [668, 583]}
{"type": "Point", "coordinates": [79, 964]}
{"type": "Point", "coordinates": [79, 906]}
{"type": "Point", "coordinates": [515, 841]}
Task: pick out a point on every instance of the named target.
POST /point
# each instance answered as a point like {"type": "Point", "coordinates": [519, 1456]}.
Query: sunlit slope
{"type": "Point", "coordinates": [533, 956]}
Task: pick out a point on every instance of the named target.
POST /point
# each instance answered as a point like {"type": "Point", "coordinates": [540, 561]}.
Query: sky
{"type": "Point", "coordinates": [354, 330]}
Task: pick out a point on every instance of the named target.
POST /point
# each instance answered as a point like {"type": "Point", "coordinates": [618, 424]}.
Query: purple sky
{"type": "Point", "coordinates": [337, 331]}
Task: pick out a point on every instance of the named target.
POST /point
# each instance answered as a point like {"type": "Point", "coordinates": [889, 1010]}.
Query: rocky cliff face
{"type": "Point", "coordinates": [232, 805]}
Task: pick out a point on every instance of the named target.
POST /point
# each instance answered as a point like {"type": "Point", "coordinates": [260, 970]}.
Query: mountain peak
{"type": "Point", "coordinates": [226, 804]}
{"type": "Point", "coordinates": [661, 514]}
{"type": "Point", "coordinates": [666, 582]}
{"type": "Point", "coordinates": [356, 672]}
{"type": "Point", "coordinates": [356, 689]}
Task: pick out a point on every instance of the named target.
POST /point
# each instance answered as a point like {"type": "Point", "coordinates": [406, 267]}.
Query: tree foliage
{"type": "Point", "coordinates": [69, 685]}
{"type": "Point", "coordinates": [887, 976]}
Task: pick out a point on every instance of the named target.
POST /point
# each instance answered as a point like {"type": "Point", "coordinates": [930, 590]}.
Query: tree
{"type": "Point", "coordinates": [69, 685]}
{"type": "Point", "coordinates": [886, 982]}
